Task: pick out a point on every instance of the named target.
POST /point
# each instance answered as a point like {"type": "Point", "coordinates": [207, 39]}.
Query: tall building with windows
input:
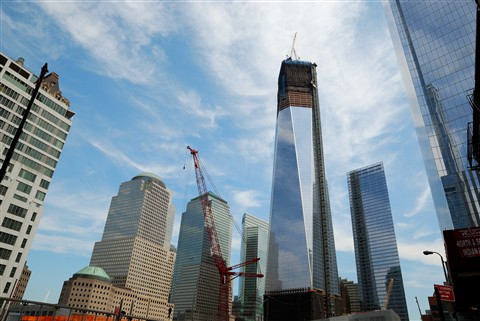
{"type": "Point", "coordinates": [135, 247]}
{"type": "Point", "coordinates": [23, 190]}
{"type": "Point", "coordinates": [378, 265]}
{"type": "Point", "coordinates": [435, 45]}
{"type": "Point", "coordinates": [254, 245]}
{"type": "Point", "coordinates": [196, 279]}
{"type": "Point", "coordinates": [301, 254]}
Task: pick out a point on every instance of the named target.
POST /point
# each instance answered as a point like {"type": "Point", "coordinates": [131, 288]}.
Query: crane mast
{"type": "Point", "coordinates": [226, 273]}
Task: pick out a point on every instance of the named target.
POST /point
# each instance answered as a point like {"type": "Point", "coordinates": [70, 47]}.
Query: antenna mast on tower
{"type": "Point", "coordinates": [293, 53]}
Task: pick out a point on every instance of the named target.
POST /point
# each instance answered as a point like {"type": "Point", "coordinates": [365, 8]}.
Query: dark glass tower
{"type": "Point", "coordinates": [301, 253]}
{"type": "Point", "coordinates": [376, 251]}
{"type": "Point", "coordinates": [435, 45]}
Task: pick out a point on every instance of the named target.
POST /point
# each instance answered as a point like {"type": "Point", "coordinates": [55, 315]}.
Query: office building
{"type": "Point", "coordinates": [196, 279]}
{"type": "Point", "coordinates": [135, 247]}
{"type": "Point", "coordinates": [378, 265]}
{"type": "Point", "coordinates": [254, 245]}
{"type": "Point", "coordinates": [435, 45]}
{"type": "Point", "coordinates": [22, 283]}
{"type": "Point", "coordinates": [25, 185]}
{"type": "Point", "coordinates": [301, 254]}
{"type": "Point", "coordinates": [350, 296]}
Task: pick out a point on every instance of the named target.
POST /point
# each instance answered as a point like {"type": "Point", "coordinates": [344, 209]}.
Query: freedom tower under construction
{"type": "Point", "coordinates": [302, 264]}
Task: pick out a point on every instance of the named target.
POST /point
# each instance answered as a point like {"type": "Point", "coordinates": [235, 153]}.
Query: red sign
{"type": "Point", "coordinates": [446, 292]}
{"type": "Point", "coordinates": [468, 241]}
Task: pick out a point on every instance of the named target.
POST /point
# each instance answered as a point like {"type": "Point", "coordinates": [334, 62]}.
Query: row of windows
{"type": "Point", "coordinates": [35, 154]}
{"type": "Point", "coordinates": [27, 175]}
{"type": "Point", "coordinates": [7, 238]}
{"type": "Point", "coordinates": [57, 121]}
{"type": "Point", "coordinates": [8, 91]}
{"type": "Point", "coordinates": [32, 117]}
{"type": "Point", "coordinates": [32, 164]}
{"type": "Point", "coordinates": [5, 254]}
{"type": "Point", "coordinates": [24, 188]}
{"type": "Point", "coordinates": [12, 224]}
{"type": "Point", "coordinates": [17, 82]}
{"type": "Point", "coordinates": [26, 88]}
{"type": "Point", "coordinates": [44, 135]}
{"type": "Point", "coordinates": [17, 210]}
{"type": "Point", "coordinates": [40, 145]}
{"type": "Point", "coordinates": [50, 103]}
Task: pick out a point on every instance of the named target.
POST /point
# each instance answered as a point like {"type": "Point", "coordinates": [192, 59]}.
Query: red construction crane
{"type": "Point", "coordinates": [226, 273]}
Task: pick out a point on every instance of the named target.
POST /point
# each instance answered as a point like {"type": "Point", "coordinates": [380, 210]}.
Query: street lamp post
{"type": "Point", "coordinates": [447, 279]}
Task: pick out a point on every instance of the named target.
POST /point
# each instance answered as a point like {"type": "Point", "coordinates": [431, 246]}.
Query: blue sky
{"type": "Point", "coordinates": [148, 78]}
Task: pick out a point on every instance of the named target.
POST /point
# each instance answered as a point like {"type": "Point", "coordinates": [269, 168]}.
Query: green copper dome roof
{"type": "Point", "coordinates": [93, 272]}
{"type": "Point", "coordinates": [152, 176]}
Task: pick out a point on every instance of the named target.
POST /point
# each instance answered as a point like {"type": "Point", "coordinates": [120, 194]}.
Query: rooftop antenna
{"type": "Point", "coordinates": [293, 53]}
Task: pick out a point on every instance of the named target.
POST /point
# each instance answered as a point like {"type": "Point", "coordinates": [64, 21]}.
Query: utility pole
{"type": "Point", "coordinates": [19, 131]}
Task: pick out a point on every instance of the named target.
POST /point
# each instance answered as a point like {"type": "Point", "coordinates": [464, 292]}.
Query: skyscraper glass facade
{"type": "Point", "coordinates": [196, 278]}
{"type": "Point", "coordinates": [255, 245]}
{"type": "Point", "coordinates": [301, 252]}
{"type": "Point", "coordinates": [25, 185]}
{"type": "Point", "coordinates": [435, 45]}
{"type": "Point", "coordinates": [376, 252]}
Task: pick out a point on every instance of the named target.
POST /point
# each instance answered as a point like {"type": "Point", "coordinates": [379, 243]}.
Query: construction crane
{"type": "Point", "coordinates": [389, 292]}
{"type": "Point", "coordinates": [226, 273]}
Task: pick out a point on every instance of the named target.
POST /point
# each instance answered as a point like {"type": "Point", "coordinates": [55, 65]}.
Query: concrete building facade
{"type": "Point", "coordinates": [25, 185]}
{"type": "Point", "coordinates": [135, 249]}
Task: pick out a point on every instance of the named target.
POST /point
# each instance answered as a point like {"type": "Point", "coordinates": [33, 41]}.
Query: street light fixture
{"type": "Point", "coordinates": [443, 264]}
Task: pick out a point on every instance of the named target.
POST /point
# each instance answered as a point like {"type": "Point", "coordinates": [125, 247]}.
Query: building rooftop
{"type": "Point", "coordinates": [150, 175]}
{"type": "Point", "coordinates": [93, 272]}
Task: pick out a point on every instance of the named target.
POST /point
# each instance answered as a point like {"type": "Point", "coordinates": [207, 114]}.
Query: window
{"type": "Point", "coordinates": [11, 224]}
{"type": "Point", "coordinates": [24, 242]}
{"type": "Point", "coordinates": [40, 195]}
{"type": "Point", "coordinates": [34, 216]}
{"type": "Point", "coordinates": [2, 269]}
{"type": "Point", "coordinates": [7, 238]}
{"type": "Point", "coordinates": [20, 198]}
{"type": "Point", "coordinates": [27, 175]}
{"type": "Point", "coordinates": [22, 187]}
{"type": "Point", "coordinates": [29, 229]}
{"type": "Point", "coordinates": [17, 210]}
{"type": "Point", "coordinates": [12, 273]}
{"type": "Point", "coordinates": [44, 184]}
{"type": "Point", "coordinates": [5, 254]}
{"type": "Point", "coordinates": [7, 287]}
{"type": "Point", "coordinates": [3, 190]}
{"type": "Point", "coordinates": [19, 257]}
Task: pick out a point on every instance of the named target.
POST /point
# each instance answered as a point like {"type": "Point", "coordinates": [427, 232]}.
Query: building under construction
{"type": "Point", "coordinates": [302, 266]}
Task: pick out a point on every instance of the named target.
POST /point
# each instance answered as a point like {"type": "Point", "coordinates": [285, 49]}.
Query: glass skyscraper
{"type": "Point", "coordinates": [135, 249]}
{"type": "Point", "coordinates": [435, 45]}
{"type": "Point", "coordinates": [301, 253]}
{"type": "Point", "coordinates": [255, 244]}
{"type": "Point", "coordinates": [25, 185]}
{"type": "Point", "coordinates": [196, 278]}
{"type": "Point", "coordinates": [376, 252]}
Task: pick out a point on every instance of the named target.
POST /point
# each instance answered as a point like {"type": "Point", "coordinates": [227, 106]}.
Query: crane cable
{"type": "Point", "coordinates": [242, 235]}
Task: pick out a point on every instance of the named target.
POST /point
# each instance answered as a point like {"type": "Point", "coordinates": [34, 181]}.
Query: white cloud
{"type": "Point", "coordinates": [118, 35]}
{"type": "Point", "coordinates": [248, 198]}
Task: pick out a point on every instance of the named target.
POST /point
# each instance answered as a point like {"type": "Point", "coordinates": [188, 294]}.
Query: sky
{"type": "Point", "coordinates": [147, 78]}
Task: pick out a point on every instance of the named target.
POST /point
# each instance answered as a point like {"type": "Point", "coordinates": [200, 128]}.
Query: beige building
{"type": "Point", "coordinates": [135, 249]}
{"type": "Point", "coordinates": [36, 155]}
{"type": "Point", "coordinates": [91, 288]}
